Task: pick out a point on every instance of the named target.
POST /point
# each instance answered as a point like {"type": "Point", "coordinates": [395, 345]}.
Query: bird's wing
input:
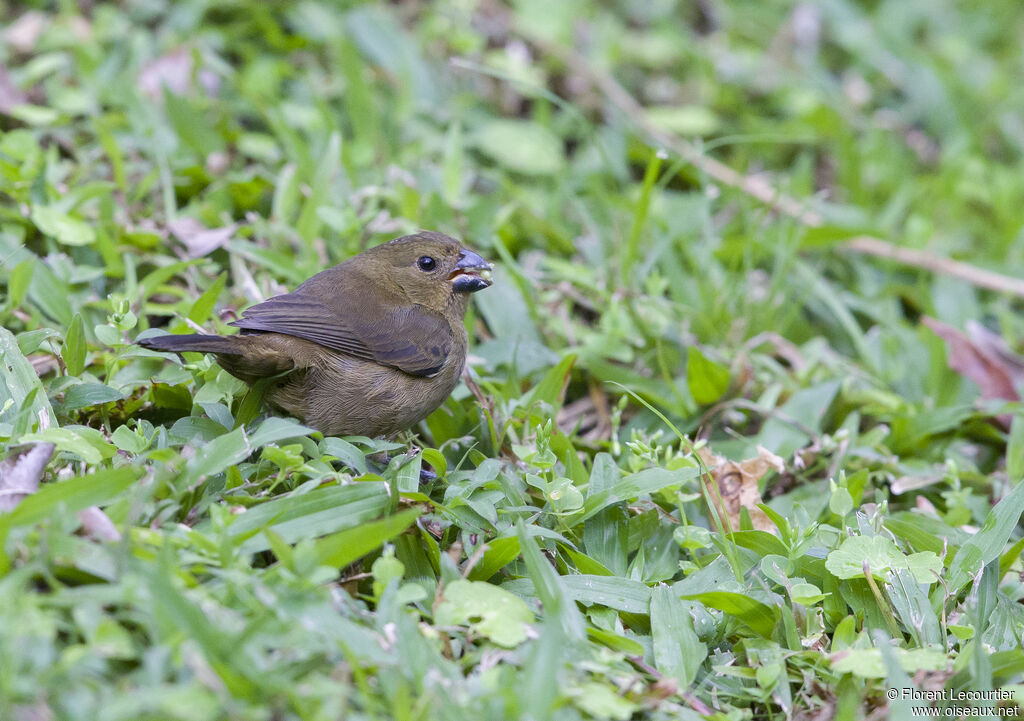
{"type": "Point", "coordinates": [411, 338]}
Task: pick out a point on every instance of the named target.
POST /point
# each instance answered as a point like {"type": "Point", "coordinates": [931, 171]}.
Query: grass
{"type": "Point", "coordinates": [585, 551]}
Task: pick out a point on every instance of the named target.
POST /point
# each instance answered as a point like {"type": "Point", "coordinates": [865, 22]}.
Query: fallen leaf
{"type": "Point", "coordinates": [925, 506]}
{"type": "Point", "coordinates": [822, 706]}
{"type": "Point", "coordinates": [996, 346]}
{"type": "Point", "coordinates": [174, 71]}
{"type": "Point", "coordinates": [20, 472]}
{"type": "Point", "coordinates": [36, 711]}
{"type": "Point", "coordinates": [43, 363]}
{"type": "Point", "coordinates": [10, 94]}
{"type": "Point", "coordinates": [737, 483]}
{"type": "Point", "coordinates": [23, 34]}
{"type": "Point", "coordinates": [984, 358]}
{"type": "Point", "coordinates": [97, 524]}
{"type": "Point", "coordinates": [197, 238]}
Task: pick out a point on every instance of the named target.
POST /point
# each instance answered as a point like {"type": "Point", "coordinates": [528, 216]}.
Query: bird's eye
{"type": "Point", "coordinates": [426, 263]}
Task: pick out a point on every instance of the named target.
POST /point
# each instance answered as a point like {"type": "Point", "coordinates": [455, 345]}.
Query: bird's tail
{"type": "Point", "coordinates": [192, 343]}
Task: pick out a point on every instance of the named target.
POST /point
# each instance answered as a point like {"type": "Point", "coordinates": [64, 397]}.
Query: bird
{"type": "Point", "coordinates": [369, 347]}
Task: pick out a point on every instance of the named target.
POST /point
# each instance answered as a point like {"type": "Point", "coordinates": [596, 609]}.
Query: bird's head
{"type": "Point", "coordinates": [431, 269]}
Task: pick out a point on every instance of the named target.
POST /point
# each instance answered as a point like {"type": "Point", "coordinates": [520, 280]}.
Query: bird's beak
{"type": "Point", "coordinates": [471, 273]}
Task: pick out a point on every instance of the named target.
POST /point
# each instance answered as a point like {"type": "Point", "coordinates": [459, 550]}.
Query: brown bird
{"type": "Point", "coordinates": [369, 347]}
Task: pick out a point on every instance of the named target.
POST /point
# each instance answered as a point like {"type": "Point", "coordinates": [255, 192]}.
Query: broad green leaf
{"type": "Point", "coordinates": [203, 307]}
{"type": "Point", "coordinates": [910, 602]}
{"type": "Point", "coordinates": [564, 496]}
{"type": "Point", "coordinates": [924, 533]}
{"type": "Point", "coordinates": [19, 282]}
{"type": "Point", "coordinates": [708, 381]}
{"type": "Point", "coordinates": [359, 99]}
{"type": "Point", "coordinates": [678, 652]}
{"type": "Point", "coordinates": [320, 186]}
{"type": "Point", "coordinates": [868, 662]}
{"type": "Point", "coordinates": [1007, 664]}
{"type": "Point", "coordinates": [234, 447]}
{"type": "Point", "coordinates": [345, 452]}
{"type": "Point", "coordinates": [274, 430]}
{"type": "Point", "coordinates": [453, 164]}
{"type": "Point", "coordinates": [761, 541]}
{"type": "Point", "coordinates": [87, 443]}
{"type": "Point", "coordinates": [500, 552]}
{"type": "Point", "coordinates": [386, 569]}
{"type": "Point", "coordinates": [61, 226]}
{"type": "Point", "coordinates": [191, 125]}
{"type": "Point", "coordinates": [488, 610]}
{"type": "Point", "coordinates": [614, 641]}
{"type": "Point", "coordinates": [559, 609]}
{"type": "Point", "coordinates": [684, 119]}
{"type": "Point", "coordinates": [521, 146]}
{"type": "Point", "coordinates": [600, 701]}
{"type": "Point", "coordinates": [32, 340]}
{"type": "Point", "coordinates": [286, 194]}
{"type": "Point", "coordinates": [406, 470]}
{"type": "Point", "coordinates": [759, 616]}
{"type": "Point", "coordinates": [606, 533]}
{"type": "Point", "coordinates": [585, 564]}
{"type": "Point", "coordinates": [311, 515]}
{"type": "Point", "coordinates": [807, 407]}
{"type": "Point", "coordinates": [1015, 450]}
{"type": "Point", "coordinates": [881, 556]}
{"type": "Point", "coordinates": [637, 484]}
{"type": "Point", "coordinates": [73, 350]}
{"type": "Point", "coordinates": [840, 501]}
{"type": "Point", "coordinates": [128, 440]}
{"type": "Point", "coordinates": [986, 545]}
{"type": "Point", "coordinates": [806, 594]}
{"type": "Point", "coordinates": [436, 460]}
{"type": "Point", "coordinates": [776, 568]}
{"type": "Point", "coordinates": [50, 294]}
{"type": "Point", "coordinates": [344, 547]}
{"type": "Point", "coordinates": [551, 389]}
{"type": "Point", "coordinates": [153, 280]}
{"type": "Point", "coordinates": [84, 395]}
{"type": "Point", "coordinates": [17, 382]}
{"type": "Point", "coordinates": [248, 409]}
{"type": "Point", "coordinates": [616, 592]}
{"type": "Point", "coordinates": [212, 458]}
{"type": "Point", "coordinates": [1007, 560]}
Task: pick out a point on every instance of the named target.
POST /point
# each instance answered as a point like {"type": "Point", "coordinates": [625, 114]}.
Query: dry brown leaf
{"type": "Point", "coordinates": [37, 711]}
{"type": "Point", "coordinates": [10, 94]}
{"type": "Point", "coordinates": [737, 484]}
{"type": "Point", "coordinates": [97, 524]}
{"type": "Point", "coordinates": [587, 416]}
{"type": "Point", "coordinates": [197, 238]}
{"type": "Point", "coordinates": [43, 363]}
{"type": "Point", "coordinates": [934, 681]}
{"type": "Point", "coordinates": [23, 34]}
{"type": "Point", "coordinates": [824, 710]}
{"type": "Point", "coordinates": [925, 506]}
{"type": "Point", "coordinates": [20, 472]}
{"type": "Point", "coordinates": [984, 359]}
{"type": "Point", "coordinates": [996, 346]}
{"type": "Point", "coordinates": [174, 71]}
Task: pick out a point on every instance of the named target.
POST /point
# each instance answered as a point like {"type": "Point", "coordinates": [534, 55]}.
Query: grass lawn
{"type": "Point", "coordinates": [743, 436]}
